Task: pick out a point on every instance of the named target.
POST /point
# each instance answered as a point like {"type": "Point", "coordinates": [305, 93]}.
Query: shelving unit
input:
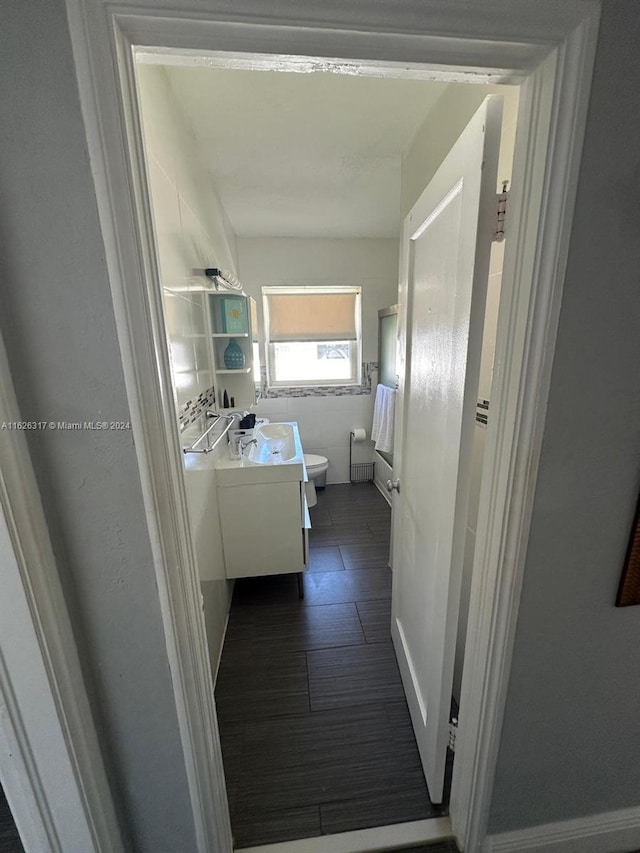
{"type": "Point", "coordinates": [231, 316]}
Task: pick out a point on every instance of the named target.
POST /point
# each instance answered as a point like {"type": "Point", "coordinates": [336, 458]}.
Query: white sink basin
{"type": "Point", "coordinates": [276, 457]}
{"type": "Point", "coordinates": [275, 444]}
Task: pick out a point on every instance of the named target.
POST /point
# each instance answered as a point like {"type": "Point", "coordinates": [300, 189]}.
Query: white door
{"type": "Point", "coordinates": [445, 265]}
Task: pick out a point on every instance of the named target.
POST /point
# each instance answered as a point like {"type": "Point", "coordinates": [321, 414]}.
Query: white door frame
{"type": "Point", "coordinates": [50, 761]}
{"type": "Point", "coordinates": [549, 47]}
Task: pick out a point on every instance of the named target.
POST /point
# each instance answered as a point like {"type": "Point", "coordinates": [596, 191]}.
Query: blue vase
{"type": "Point", "coordinates": [233, 355]}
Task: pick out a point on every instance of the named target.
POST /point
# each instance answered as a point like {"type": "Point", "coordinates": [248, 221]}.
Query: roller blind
{"type": "Point", "coordinates": [305, 315]}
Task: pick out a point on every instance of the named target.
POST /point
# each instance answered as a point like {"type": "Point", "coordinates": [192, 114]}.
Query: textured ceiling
{"type": "Point", "coordinates": [304, 155]}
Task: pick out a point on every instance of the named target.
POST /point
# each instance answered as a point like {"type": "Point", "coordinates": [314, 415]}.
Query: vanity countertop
{"type": "Point", "coordinates": [241, 471]}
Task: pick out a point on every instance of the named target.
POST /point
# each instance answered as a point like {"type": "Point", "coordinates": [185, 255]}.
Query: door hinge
{"type": "Point", "coordinates": [453, 731]}
{"type": "Point", "coordinates": [501, 212]}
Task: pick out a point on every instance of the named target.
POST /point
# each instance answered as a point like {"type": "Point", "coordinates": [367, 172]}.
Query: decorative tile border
{"type": "Point", "coordinates": [482, 412]}
{"type": "Point", "coordinates": [193, 409]}
{"type": "Point", "coordinates": [368, 368]}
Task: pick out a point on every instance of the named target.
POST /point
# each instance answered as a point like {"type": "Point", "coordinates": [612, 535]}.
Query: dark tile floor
{"type": "Point", "coordinates": [9, 838]}
{"type": "Point", "coordinates": [315, 730]}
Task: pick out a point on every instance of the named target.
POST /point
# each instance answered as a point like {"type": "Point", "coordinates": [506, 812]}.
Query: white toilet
{"type": "Point", "coordinates": [317, 472]}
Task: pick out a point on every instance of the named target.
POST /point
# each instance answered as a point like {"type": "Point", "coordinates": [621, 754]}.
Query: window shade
{"type": "Point", "coordinates": [312, 316]}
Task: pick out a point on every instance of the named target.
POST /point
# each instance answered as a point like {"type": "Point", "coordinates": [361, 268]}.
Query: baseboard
{"type": "Point", "coordinates": [384, 492]}
{"type": "Point", "coordinates": [224, 633]}
{"type": "Point", "coordinates": [611, 832]}
{"type": "Point", "coordinates": [383, 472]}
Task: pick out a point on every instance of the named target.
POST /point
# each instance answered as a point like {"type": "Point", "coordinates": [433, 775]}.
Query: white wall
{"type": "Point", "coordinates": [56, 317]}
{"type": "Point", "coordinates": [442, 126]}
{"type": "Point", "coordinates": [192, 233]}
{"type": "Point", "coordinates": [191, 227]}
{"type": "Point", "coordinates": [325, 422]}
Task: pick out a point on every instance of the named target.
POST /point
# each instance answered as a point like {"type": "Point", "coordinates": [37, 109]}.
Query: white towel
{"type": "Point", "coordinates": [383, 417]}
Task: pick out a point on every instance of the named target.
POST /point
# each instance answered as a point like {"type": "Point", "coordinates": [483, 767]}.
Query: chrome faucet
{"type": "Point", "coordinates": [244, 444]}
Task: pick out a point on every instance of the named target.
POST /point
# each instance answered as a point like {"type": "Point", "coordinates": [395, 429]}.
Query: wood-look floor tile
{"type": "Point", "coordinates": [349, 503]}
{"type": "Point", "coordinates": [246, 689]}
{"type": "Point", "coordinates": [354, 675]}
{"type": "Point", "coordinates": [381, 521]}
{"type": "Point", "coordinates": [355, 497]}
{"type": "Point", "coordinates": [399, 717]}
{"type": "Point", "coordinates": [266, 591]}
{"type": "Point", "coordinates": [325, 558]}
{"type": "Point", "coordinates": [259, 633]}
{"type": "Point", "coordinates": [319, 517]}
{"type": "Point", "coordinates": [375, 618]}
{"type": "Point", "coordinates": [344, 514]}
{"type": "Point", "coordinates": [349, 492]}
{"type": "Point", "coordinates": [380, 526]}
{"type": "Point", "coordinates": [352, 491]}
{"type": "Point", "coordinates": [252, 827]}
{"type": "Point", "coordinates": [325, 756]}
{"type": "Point", "coordinates": [387, 807]}
{"type": "Point", "coordinates": [448, 845]}
{"type": "Point", "coordinates": [400, 721]}
{"type": "Point", "coordinates": [364, 555]}
{"type": "Point", "coordinates": [231, 740]}
{"type": "Point", "coordinates": [284, 762]}
{"type": "Point", "coordinates": [375, 504]}
{"type": "Point", "coordinates": [336, 534]}
{"type": "Point", "coordinates": [357, 585]}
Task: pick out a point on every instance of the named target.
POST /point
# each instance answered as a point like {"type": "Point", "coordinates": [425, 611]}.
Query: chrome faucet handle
{"type": "Point", "coordinates": [211, 414]}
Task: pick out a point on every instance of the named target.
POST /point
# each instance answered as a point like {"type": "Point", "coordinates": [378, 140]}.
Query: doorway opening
{"type": "Point", "coordinates": [289, 179]}
{"type": "Point", "coordinates": [550, 54]}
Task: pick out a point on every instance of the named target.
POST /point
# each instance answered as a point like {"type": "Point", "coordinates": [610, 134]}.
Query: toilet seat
{"type": "Point", "coordinates": [316, 467]}
{"type": "Point", "coordinates": [315, 464]}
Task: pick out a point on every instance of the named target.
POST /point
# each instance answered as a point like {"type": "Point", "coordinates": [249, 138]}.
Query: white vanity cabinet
{"type": "Point", "coordinates": [264, 528]}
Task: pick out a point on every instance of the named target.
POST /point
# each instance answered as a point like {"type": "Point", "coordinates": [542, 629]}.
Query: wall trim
{"type": "Point", "coordinates": [550, 131]}
{"type": "Point", "coordinates": [50, 760]}
{"type": "Point", "coordinates": [601, 833]}
{"type": "Point", "coordinates": [551, 47]}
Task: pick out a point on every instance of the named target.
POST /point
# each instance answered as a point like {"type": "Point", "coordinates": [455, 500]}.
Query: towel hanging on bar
{"type": "Point", "coordinates": [383, 418]}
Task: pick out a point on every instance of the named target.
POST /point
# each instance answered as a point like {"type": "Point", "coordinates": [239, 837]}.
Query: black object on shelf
{"type": "Point", "coordinates": [225, 400]}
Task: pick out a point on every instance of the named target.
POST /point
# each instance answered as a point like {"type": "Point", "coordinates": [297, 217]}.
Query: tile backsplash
{"type": "Point", "coordinates": [193, 409]}
{"type": "Point", "coordinates": [368, 369]}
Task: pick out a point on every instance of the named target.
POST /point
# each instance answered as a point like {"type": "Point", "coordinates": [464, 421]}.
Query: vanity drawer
{"type": "Point", "coordinates": [261, 529]}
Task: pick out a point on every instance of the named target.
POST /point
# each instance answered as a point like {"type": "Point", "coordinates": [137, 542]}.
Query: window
{"type": "Point", "coordinates": [312, 335]}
